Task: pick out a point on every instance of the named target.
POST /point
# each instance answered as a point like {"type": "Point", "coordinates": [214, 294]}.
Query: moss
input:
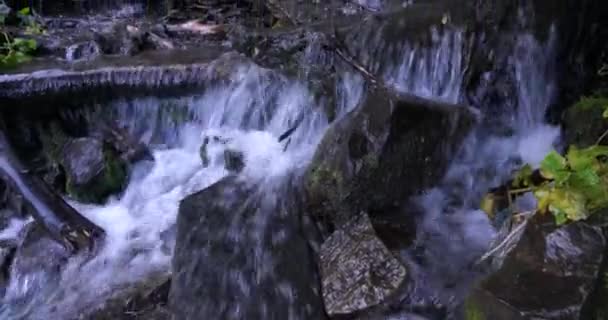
{"type": "Point", "coordinates": [584, 123]}
{"type": "Point", "coordinates": [473, 312]}
{"type": "Point", "coordinates": [109, 181]}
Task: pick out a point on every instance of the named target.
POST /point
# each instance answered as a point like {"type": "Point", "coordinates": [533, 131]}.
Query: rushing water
{"type": "Point", "coordinates": [252, 111]}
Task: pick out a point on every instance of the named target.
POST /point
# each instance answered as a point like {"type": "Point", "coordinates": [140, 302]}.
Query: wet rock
{"type": "Point", "coordinates": [357, 270]}
{"type": "Point", "coordinates": [7, 253]}
{"type": "Point", "coordinates": [87, 50]}
{"type": "Point", "coordinates": [38, 262]}
{"type": "Point", "coordinates": [243, 254]}
{"type": "Point", "coordinates": [233, 160]}
{"type": "Point", "coordinates": [120, 39]}
{"type": "Point", "coordinates": [93, 169]}
{"type": "Point", "coordinates": [211, 142]}
{"type": "Point", "coordinates": [389, 148]}
{"type": "Point", "coordinates": [541, 272]}
{"type": "Point", "coordinates": [146, 300]}
{"type": "Point", "coordinates": [213, 145]}
{"type": "Point", "coordinates": [130, 149]}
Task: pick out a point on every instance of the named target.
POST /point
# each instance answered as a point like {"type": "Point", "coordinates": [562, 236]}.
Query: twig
{"type": "Point", "coordinates": [355, 64]}
{"type": "Point", "coordinates": [602, 137]}
{"type": "Point", "coordinates": [504, 242]}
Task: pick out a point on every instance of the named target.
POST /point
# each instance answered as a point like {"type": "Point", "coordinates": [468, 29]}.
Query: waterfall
{"type": "Point", "coordinates": [253, 109]}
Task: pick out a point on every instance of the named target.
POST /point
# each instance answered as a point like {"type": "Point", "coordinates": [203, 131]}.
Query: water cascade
{"type": "Point", "coordinates": [247, 112]}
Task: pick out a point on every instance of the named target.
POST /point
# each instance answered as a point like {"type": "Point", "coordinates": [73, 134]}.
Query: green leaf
{"type": "Point", "coordinates": [560, 218]}
{"type": "Point", "coordinates": [553, 165]}
{"type": "Point", "coordinates": [605, 114]}
{"type": "Point", "coordinates": [569, 203]}
{"type": "Point", "coordinates": [542, 195]}
{"type": "Point", "coordinates": [25, 45]}
{"type": "Point", "coordinates": [25, 11]}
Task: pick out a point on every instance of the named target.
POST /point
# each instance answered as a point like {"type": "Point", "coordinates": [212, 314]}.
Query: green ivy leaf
{"type": "Point", "coordinates": [605, 114]}
{"type": "Point", "coordinates": [553, 166]}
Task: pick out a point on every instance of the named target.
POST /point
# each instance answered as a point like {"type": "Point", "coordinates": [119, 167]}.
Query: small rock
{"type": "Point", "coordinates": [87, 50]}
{"type": "Point", "coordinates": [357, 270]}
{"type": "Point", "coordinates": [233, 160]}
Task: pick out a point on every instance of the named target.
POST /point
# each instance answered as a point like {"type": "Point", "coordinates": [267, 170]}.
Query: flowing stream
{"type": "Point", "coordinates": [253, 110]}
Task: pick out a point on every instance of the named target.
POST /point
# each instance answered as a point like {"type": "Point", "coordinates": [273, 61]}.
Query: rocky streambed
{"type": "Point", "coordinates": [296, 161]}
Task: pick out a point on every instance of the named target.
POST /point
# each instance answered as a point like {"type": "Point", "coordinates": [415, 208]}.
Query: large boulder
{"type": "Point", "coordinates": [358, 271]}
{"type": "Point", "coordinates": [389, 148]}
{"type": "Point", "coordinates": [243, 253]}
{"type": "Point", "coordinates": [540, 272]}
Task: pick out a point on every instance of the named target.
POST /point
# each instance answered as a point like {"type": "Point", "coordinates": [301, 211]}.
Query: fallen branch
{"type": "Point", "coordinates": [63, 223]}
{"type": "Point", "coordinates": [195, 26]}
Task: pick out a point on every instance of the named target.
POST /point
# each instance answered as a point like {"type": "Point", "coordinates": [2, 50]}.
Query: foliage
{"type": "Point", "coordinates": [15, 50]}
{"type": "Point", "coordinates": [570, 187]}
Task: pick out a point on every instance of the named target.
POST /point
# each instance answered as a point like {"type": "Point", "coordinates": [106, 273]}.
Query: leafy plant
{"type": "Point", "coordinates": [570, 187]}
{"type": "Point", "coordinates": [29, 22]}
{"type": "Point", "coordinates": [15, 50]}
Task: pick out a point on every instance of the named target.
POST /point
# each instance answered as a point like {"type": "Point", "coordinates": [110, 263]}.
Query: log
{"type": "Point", "coordinates": [63, 223]}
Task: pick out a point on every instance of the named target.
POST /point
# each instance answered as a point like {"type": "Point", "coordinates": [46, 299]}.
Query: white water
{"type": "Point", "coordinates": [253, 110]}
{"type": "Point", "coordinates": [454, 232]}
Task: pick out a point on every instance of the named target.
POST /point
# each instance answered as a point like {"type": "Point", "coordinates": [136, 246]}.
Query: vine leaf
{"type": "Point", "coordinates": [554, 167]}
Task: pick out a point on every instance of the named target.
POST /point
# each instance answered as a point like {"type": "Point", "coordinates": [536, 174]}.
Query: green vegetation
{"type": "Point", "coordinates": [14, 50]}
{"type": "Point", "coordinates": [571, 187]}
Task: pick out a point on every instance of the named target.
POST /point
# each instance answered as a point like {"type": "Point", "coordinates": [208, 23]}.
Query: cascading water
{"type": "Point", "coordinates": [253, 110]}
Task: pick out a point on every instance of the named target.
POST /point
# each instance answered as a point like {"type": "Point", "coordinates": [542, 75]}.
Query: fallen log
{"type": "Point", "coordinates": [63, 223]}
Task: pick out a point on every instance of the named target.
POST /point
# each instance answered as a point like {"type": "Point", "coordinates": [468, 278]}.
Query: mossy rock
{"type": "Point", "coordinates": [94, 170]}
{"type": "Point", "coordinates": [389, 148]}
{"type": "Point", "coordinates": [584, 123]}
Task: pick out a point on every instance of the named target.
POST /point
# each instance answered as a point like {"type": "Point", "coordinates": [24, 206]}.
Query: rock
{"type": "Point", "coordinates": [87, 50]}
{"type": "Point", "coordinates": [243, 253]}
{"type": "Point", "coordinates": [37, 263]}
{"type": "Point", "coordinates": [145, 300]}
{"type": "Point", "coordinates": [7, 253]}
{"type": "Point", "coordinates": [357, 270]}
{"type": "Point", "coordinates": [389, 148]}
{"type": "Point", "coordinates": [541, 272]}
{"type": "Point", "coordinates": [583, 122]}
{"type": "Point", "coordinates": [130, 149]}
{"type": "Point", "coordinates": [120, 39]}
{"type": "Point", "coordinates": [233, 160]}
{"type": "Point", "coordinates": [209, 147]}
{"type": "Point", "coordinates": [93, 169]}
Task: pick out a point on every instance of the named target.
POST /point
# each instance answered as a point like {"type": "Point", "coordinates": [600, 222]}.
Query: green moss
{"type": "Point", "coordinates": [591, 103]}
{"type": "Point", "coordinates": [109, 181]}
{"type": "Point", "coordinates": [473, 312]}
{"type": "Point", "coordinates": [584, 123]}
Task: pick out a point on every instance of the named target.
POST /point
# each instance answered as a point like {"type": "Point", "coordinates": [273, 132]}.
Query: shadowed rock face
{"type": "Point", "coordinates": [232, 262]}
{"type": "Point", "coordinates": [540, 272]}
{"type": "Point", "coordinates": [389, 148]}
